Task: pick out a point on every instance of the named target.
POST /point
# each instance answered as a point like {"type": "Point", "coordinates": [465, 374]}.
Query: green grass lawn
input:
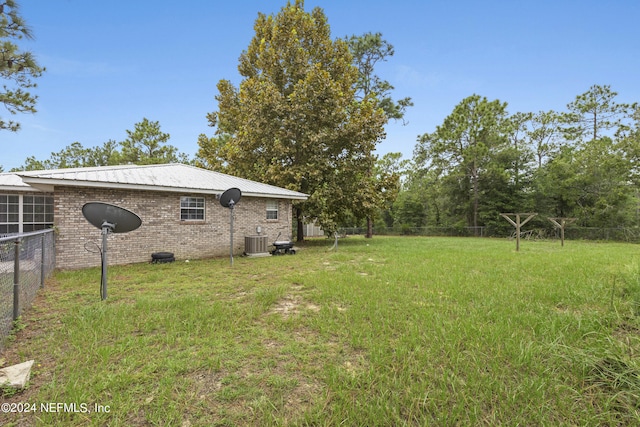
{"type": "Point", "coordinates": [389, 331]}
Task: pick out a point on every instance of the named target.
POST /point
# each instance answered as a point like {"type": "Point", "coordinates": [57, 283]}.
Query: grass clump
{"type": "Point", "coordinates": [388, 331]}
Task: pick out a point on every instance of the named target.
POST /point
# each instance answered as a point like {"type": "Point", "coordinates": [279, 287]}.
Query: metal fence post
{"type": "Point", "coordinates": [42, 264]}
{"type": "Point", "coordinates": [16, 281]}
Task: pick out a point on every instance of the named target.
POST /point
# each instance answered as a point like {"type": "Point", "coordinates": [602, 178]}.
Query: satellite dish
{"type": "Point", "coordinates": [230, 197]}
{"type": "Point", "coordinates": [118, 219]}
{"type": "Point", "coordinates": [109, 219]}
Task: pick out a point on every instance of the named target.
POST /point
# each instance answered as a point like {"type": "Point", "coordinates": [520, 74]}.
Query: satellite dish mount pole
{"type": "Point", "coordinates": [109, 219]}
{"type": "Point", "coordinates": [229, 199]}
{"type": "Point", "coordinates": [106, 229]}
{"type": "Point", "coordinates": [231, 205]}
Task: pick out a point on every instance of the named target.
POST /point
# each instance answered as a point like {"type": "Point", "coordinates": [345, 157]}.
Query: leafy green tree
{"type": "Point", "coordinates": [32, 164]}
{"type": "Point", "coordinates": [431, 199]}
{"type": "Point", "coordinates": [388, 173]}
{"type": "Point", "coordinates": [17, 67]}
{"type": "Point", "coordinates": [516, 159]}
{"type": "Point", "coordinates": [368, 50]}
{"type": "Point", "coordinates": [590, 182]}
{"type": "Point", "coordinates": [105, 155]}
{"type": "Point", "coordinates": [146, 144]}
{"type": "Point", "coordinates": [72, 156]}
{"type": "Point", "coordinates": [557, 184]}
{"type": "Point", "coordinates": [594, 112]}
{"type": "Point", "coordinates": [603, 175]}
{"type": "Point", "coordinates": [630, 142]}
{"type": "Point", "coordinates": [504, 185]}
{"type": "Point", "coordinates": [75, 156]}
{"type": "Point", "coordinates": [580, 163]}
{"type": "Point", "coordinates": [463, 147]}
{"type": "Point", "coordinates": [209, 152]}
{"type": "Point", "coordinates": [294, 121]}
{"type": "Point", "coordinates": [409, 211]}
{"type": "Point", "coordinates": [545, 135]}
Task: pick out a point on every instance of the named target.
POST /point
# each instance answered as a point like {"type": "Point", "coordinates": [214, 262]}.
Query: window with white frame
{"type": "Point", "coordinates": [22, 213]}
{"type": "Point", "coordinates": [37, 213]}
{"type": "Point", "coordinates": [272, 209]}
{"type": "Point", "coordinates": [191, 208]}
{"type": "Point", "coordinates": [9, 213]}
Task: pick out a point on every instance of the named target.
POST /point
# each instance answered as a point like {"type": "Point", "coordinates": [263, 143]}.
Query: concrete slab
{"type": "Point", "coordinates": [16, 376]}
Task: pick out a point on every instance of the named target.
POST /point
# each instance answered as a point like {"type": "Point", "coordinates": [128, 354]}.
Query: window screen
{"type": "Point", "coordinates": [272, 209]}
{"type": "Point", "coordinates": [192, 209]}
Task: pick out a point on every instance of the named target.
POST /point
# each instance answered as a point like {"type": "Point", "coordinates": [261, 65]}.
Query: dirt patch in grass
{"type": "Point", "coordinates": [207, 382]}
{"type": "Point", "coordinates": [266, 383]}
{"type": "Point", "coordinates": [625, 330]}
{"type": "Point", "coordinates": [291, 305]}
{"type": "Point", "coordinates": [288, 306]}
{"type": "Point", "coordinates": [297, 286]}
{"type": "Point", "coordinates": [302, 397]}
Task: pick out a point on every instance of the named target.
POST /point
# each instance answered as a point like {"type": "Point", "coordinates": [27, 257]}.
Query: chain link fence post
{"type": "Point", "coordinates": [26, 261]}
{"type": "Point", "coordinates": [43, 259]}
{"type": "Point", "coordinates": [16, 280]}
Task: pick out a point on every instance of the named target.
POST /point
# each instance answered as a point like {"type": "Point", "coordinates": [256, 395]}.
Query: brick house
{"type": "Point", "coordinates": [177, 204]}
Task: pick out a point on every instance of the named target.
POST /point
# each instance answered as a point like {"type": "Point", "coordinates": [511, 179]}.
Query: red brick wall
{"type": "Point", "coordinates": [161, 230]}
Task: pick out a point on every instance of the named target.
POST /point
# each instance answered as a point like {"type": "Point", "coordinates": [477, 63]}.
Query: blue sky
{"type": "Point", "coordinates": [110, 64]}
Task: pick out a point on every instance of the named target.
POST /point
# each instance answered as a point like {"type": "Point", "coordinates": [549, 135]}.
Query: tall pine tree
{"type": "Point", "coordinates": [17, 67]}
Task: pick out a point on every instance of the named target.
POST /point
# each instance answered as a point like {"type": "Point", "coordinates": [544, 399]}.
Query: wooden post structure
{"type": "Point", "coordinates": [517, 223]}
{"type": "Point", "coordinates": [561, 225]}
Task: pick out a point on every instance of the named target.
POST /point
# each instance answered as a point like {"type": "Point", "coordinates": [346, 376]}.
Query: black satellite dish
{"type": "Point", "coordinates": [229, 199]}
{"type": "Point", "coordinates": [109, 219]}
{"type": "Point", "coordinates": [118, 219]}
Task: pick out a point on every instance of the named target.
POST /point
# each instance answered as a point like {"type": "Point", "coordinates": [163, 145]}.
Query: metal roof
{"type": "Point", "coordinates": [173, 177]}
{"type": "Point", "coordinates": [12, 182]}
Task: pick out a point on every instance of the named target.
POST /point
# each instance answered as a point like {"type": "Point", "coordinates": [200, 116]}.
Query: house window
{"type": "Point", "coordinates": [37, 213]}
{"type": "Point", "coordinates": [191, 208]}
{"type": "Point", "coordinates": [9, 214]}
{"type": "Point", "coordinates": [24, 213]}
{"type": "Point", "coordinates": [272, 209]}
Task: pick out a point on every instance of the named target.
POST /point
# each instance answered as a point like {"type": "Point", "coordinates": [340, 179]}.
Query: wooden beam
{"type": "Point", "coordinates": [563, 222]}
{"type": "Point", "coordinates": [517, 223]}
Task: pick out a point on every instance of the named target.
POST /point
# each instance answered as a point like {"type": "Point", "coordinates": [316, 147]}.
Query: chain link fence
{"type": "Point", "coordinates": [617, 234]}
{"type": "Point", "coordinates": [26, 260]}
{"type": "Point", "coordinates": [420, 231]}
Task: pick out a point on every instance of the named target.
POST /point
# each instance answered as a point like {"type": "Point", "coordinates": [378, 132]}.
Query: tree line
{"type": "Point", "coordinates": [146, 144]}
{"type": "Point", "coordinates": [481, 161]}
